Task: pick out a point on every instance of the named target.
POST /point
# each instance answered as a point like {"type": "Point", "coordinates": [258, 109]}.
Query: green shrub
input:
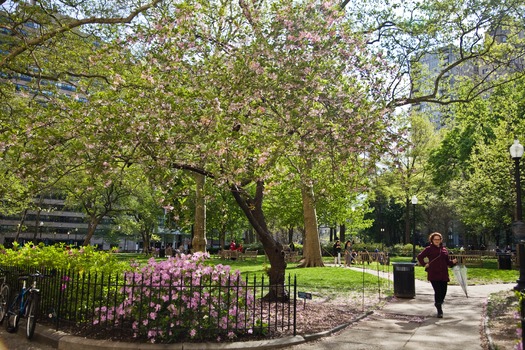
{"type": "Point", "coordinates": [62, 257]}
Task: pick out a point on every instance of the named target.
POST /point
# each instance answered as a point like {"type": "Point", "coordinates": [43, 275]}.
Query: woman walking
{"type": "Point", "coordinates": [437, 265]}
{"type": "Point", "coordinates": [337, 252]}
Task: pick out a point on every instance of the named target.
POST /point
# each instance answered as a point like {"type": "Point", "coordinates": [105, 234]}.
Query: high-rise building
{"type": "Point", "coordinates": [431, 65]}
{"type": "Point", "coordinates": [54, 222]}
{"type": "Point", "coordinates": [447, 64]}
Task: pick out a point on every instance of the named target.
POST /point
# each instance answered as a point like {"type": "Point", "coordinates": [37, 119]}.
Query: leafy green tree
{"type": "Point", "coordinates": [231, 91]}
{"type": "Point", "coordinates": [97, 199]}
{"type": "Point", "coordinates": [141, 212]}
{"type": "Point", "coordinates": [41, 31]}
{"type": "Point", "coordinates": [283, 205]}
{"type": "Point", "coordinates": [299, 99]}
{"type": "Point", "coordinates": [255, 75]}
{"type": "Point", "coordinates": [388, 221]}
{"type": "Point", "coordinates": [341, 195]}
{"type": "Point", "coordinates": [478, 178]}
{"type": "Point", "coordinates": [406, 172]}
{"type": "Point", "coordinates": [224, 219]}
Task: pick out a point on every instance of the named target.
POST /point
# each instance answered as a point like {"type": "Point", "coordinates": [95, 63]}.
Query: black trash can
{"type": "Point", "coordinates": [504, 261]}
{"type": "Point", "coordinates": [162, 253]}
{"type": "Point", "coordinates": [404, 280]}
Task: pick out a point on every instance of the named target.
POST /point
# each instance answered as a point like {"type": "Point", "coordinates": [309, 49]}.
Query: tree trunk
{"type": "Point", "coordinates": [252, 208]}
{"type": "Point", "coordinates": [199, 230]}
{"type": "Point", "coordinates": [290, 235]}
{"type": "Point", "coordinates": [312, 246]}
{"type": "Point", "coordinates": [20, 225]}
{"type": "Point", "coordinates": [93, 223]}
{"type": "Point", "coordinates": [342, 233]}
{"type": "Point", "coordinates": [37, 221]}
{"type": "Point", "coordinates": [38, 227]}
{"type": "Point", "coordinates": [222, 239]}
{"type": "Point", "coordinates": [249, 238]}
{"type": "Point", "coordinates": [145, 242]}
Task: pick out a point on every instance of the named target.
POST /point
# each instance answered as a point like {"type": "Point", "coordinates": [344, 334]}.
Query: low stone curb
{"type": "Point", "coordinates": [486, 333]}
{"type": "Point", "coordinates": [64, 341]}
{"type": "Point", "coordinates": [310, 337]}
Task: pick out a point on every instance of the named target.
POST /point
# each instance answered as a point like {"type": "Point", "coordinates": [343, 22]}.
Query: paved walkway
{"type": "Point", "coordinates": [412, 324]}
{"type": "Point", "coordinates": [404, 323]}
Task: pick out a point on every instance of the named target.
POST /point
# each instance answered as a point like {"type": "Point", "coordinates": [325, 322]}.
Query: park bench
{"type": "Point", "coordinates": [468, 260]}
{"type": "Point", "coordinates": [290, 256]}
{"type": "Point", "coordinates": [368, 257]}
{"type": "Point", "coordinates": [229, 254]}
{"type": "Point", "coordinates": [363, 257]}
{"type": "Point", "coordinates": [248, 254]}
{"type": "Point", "coordinates": [380, 257]}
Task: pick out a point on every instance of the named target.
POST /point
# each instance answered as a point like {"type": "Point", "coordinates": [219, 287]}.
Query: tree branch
{"type": "Point", "coordinates": [71, 25]}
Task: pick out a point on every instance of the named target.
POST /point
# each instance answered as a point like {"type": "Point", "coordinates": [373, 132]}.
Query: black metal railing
{"type": "Point", "coordinates": [129, 306]}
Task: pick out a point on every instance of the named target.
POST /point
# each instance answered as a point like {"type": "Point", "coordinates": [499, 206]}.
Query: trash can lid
{"type": "Point", "coordinates": [403, 263]}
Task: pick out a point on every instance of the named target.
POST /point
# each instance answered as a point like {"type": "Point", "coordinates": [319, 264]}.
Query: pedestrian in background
{"type": "Point", "coordinates": [337, 252]}
{"type": "Point", "coordinates": [348, 253]}
{"type": "Point", "coordinates": [436, 266]}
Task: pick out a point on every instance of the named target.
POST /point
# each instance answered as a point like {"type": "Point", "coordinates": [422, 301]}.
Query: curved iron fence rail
{"type": "Point", "coordinates": [98, 306]}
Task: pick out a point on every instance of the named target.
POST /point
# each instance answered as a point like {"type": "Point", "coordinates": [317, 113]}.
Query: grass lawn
{"type": "Point", "coordinates": [354, 291]}
{"type": "Point", "coordinates": [324, 281]}
{"type": "Point", "coordinates": [488, 274]}
{"type": "Point", "coordinates": [332, 280]}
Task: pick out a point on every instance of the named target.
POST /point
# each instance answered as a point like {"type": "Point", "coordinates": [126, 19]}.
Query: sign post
{"type": "Point", "coordinates": [304, 296]}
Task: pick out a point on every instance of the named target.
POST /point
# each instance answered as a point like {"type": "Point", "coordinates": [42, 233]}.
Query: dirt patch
{"type": "Point", "coordinates": [502, 321]}
{"type": "Point", "coordinates": [323, 314]}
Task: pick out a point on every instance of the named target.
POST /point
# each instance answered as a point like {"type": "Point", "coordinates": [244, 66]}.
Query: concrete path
{"type": "Point", "coordinates": [412, 324]}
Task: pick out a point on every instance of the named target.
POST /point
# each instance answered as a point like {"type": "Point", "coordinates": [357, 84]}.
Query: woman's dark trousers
{"type": "Point", "coordinates": [440, 291]}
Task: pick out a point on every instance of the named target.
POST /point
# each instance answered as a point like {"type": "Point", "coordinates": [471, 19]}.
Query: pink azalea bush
{"type": "Point", "coordinates": [181, 297]}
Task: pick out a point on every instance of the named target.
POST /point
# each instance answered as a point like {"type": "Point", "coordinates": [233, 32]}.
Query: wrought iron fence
{"type": "Point", "coordinates": [128, 306]}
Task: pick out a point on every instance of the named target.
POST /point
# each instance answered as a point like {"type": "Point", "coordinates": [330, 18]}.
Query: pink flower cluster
{"type": "Point", "coordinates": [170, 299]}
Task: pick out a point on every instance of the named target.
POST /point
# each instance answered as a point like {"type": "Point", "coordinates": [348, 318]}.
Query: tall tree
{"type": "Point", "coordinates": [140, 211]}
{"type": "Point", "coordinates": [479, 39]}
{"type": "Point", "coordinates": [199, 229]}
{"type": "Point", "coordinates": [477, 177]}
{"type": "Point", "coordinates": [290, 77]}
{"type": "Point", "coordinates": [407, 172]}
{"type": "Point", "coordinates": [97, 199]}
{"type": "Point", "coordinates": [224, 219]}
{"type": "Point", "coordinates": [232, 90]}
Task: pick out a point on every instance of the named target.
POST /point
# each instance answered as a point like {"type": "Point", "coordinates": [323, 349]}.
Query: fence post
{"type": "Point", "coordinates": [522, 314]}
{"type": "Point", "coordinates": [294, 305]}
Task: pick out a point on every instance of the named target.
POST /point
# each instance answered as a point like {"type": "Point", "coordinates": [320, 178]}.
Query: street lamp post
{"type": "Point", "coordinates": [414, 202]}
{"type": "Point", "coordinates": [518, 230]}
{"type": "Point", "coordinates": [382, 239]}
{"type": "Point", "coordinates": [518, 227]}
